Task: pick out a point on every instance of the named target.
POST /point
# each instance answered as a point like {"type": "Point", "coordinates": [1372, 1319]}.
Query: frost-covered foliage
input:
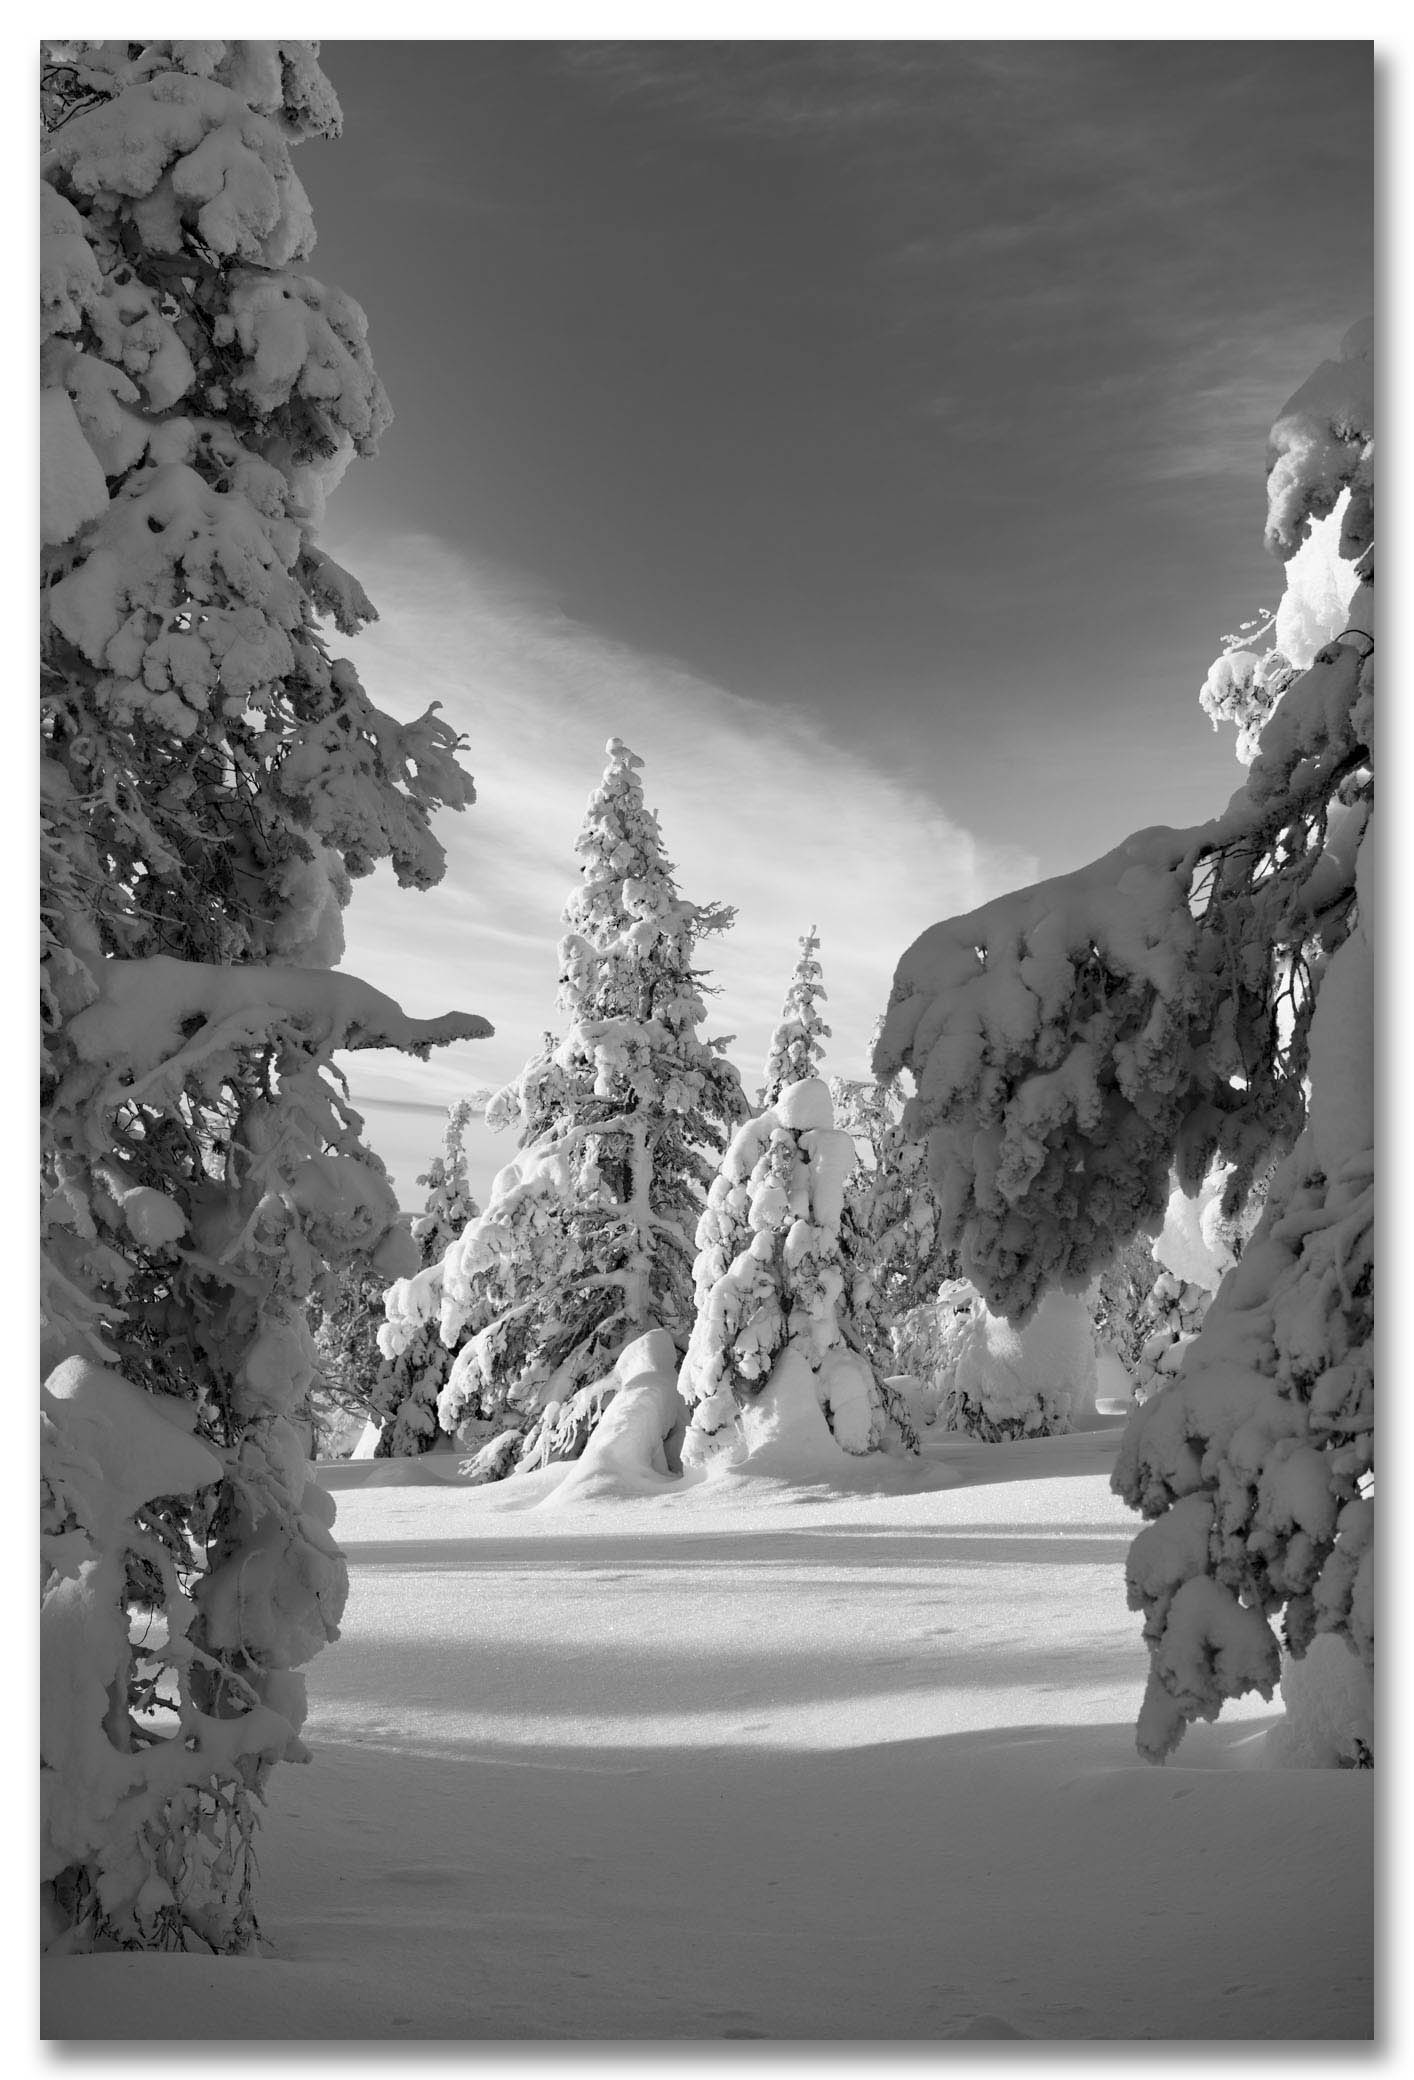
{"type": "Point", "coordinates": [772, 1307]}
{"type": "Point", "coordinates": [586, 1240]}
{"type": "Point", "coordinates": [347, 1360]}
{"type": "Point", "coordinates": [798, 1041]}
{"type": "Point", "coordinates": [1169, 1315]}
{"type": "Point", "coordinates": [407, 1386]}
{"type": "Point", "coordinates": [210, 780]}
{"type": "Point", "coordinates": [1166, 1006]}
{"type": "Point", "coordinates": [893, 1261]}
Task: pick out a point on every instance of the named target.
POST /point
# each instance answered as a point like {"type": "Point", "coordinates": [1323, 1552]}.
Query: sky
{"type": "Point", "coordinates": [872, 435]}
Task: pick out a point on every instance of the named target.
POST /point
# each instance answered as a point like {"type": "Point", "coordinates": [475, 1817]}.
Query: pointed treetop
{"type": "Point", "coordinates": [797, 1044]}
{"type": "Point", "coordinates": [630, 930]}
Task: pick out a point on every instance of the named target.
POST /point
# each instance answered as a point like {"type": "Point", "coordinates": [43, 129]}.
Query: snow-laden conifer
{"type": "Point", "coordinates": [798, 1040]}
{"type": "Point", "coordinates": [211, 779]}
{"type": "Point", "coordinates": [1166, 1006]}
{"type": "Point", "coordinates": [347, 1360]}
{"type": "Point", "coordinates": [777, 1357]}
{"type": "Point", "coordinates": [894, 1263]}
{"type": "Point", "coordinates": [406, 1389]}
{"type": "Point", "coordinates": [586, 1240]}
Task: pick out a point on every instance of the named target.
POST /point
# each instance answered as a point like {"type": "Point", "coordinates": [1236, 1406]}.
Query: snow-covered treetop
{"type": "Point", "coordinates": [631, 935]}
{"type": "Point", "coordinates": [797, 1044]}
{"type": "Point", "coordinates": [449, 1204]}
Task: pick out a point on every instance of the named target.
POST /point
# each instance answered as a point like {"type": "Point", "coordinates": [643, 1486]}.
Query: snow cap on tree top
{"type": "Point", "coordinates": [806, 1106]}
{"type": "Point", "coordinates": [617, 750]}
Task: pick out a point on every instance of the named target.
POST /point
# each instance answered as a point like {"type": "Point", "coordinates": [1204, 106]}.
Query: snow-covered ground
{"type": "Point", "coordinates": [742, 1759]}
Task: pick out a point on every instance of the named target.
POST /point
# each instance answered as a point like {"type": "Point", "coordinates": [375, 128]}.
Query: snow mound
{"type": "Point", "coordinates": [634, 1447]}
{"type": "Point", "coordinates": [1330, 1710]}
{"type": "Point", "coordinates": [785, 1433]}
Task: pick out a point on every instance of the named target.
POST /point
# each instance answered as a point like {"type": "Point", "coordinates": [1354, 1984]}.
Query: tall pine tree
{"type": "Point", "coordinates": [586, 1242]}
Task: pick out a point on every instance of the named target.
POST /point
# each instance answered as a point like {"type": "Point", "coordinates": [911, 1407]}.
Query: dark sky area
{"type": "Point", "coordinates": [924, 386]}
{"type": "Point", "coordinates": [871, 434]}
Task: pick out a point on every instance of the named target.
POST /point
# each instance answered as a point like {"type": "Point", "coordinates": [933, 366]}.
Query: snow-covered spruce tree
{"type": "Point", "coordinates": [889, 1231]}
{"type": "Point", "coordinates": [1173, 1003]}
{"type": "Point", "coordinates": [347, 1361]}
{"type": "Point", "coordinates": [405, 1393]}
{"type": "Point", "coordinates": [777, 1361]}
{"type": "Point", "coordinates": [586, 1241]}
{"type": "Point", "coordinates": [450, 1202]}
{"type": "Point", "coordinates": [798, 1041]}
{"type": "Point", "coordinates": [211, 779]}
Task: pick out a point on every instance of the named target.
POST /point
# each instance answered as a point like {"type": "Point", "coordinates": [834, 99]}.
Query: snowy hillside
{"type": "Point", "coordinates": [748, 1760]}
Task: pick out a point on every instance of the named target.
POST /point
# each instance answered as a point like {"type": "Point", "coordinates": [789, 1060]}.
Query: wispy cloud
{"type": "Point", "coordinates": [1043, 213]}
{"type": "Point", "coordinates": [758, 807]}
